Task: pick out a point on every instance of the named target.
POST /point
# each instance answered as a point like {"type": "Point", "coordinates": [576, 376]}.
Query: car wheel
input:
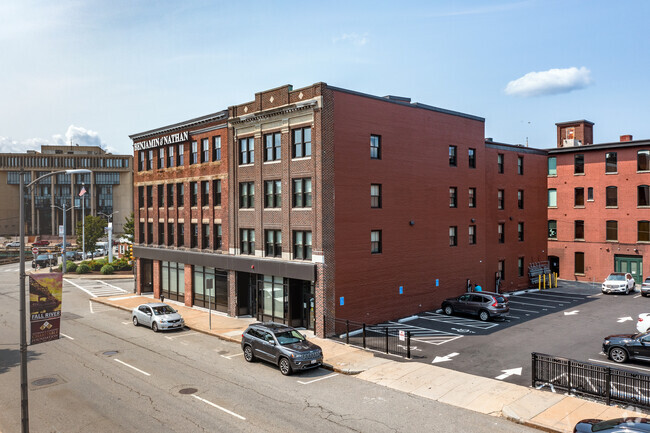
{"type": "Point", "coordinates": [248, 354]}
{"type": "Point", "coordinates": [483, 315]}
{"type": "Point", "coordinates": [618, 354]}
{"type": "Point", "coordinates": [154, 326]}
{"type": "Point", "coordinates": [285, 366]}
{"type": "Point", "coordinates": [449, 310]}
{"type": "Point", "coordinates": [135, 321]}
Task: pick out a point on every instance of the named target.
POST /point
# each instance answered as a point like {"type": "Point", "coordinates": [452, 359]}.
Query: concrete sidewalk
{"type": "Point", "coordinates": [535, 408]}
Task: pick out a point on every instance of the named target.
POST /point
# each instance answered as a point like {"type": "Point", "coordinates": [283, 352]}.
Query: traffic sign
{"type": "Point", "coordinates": [34, 250]}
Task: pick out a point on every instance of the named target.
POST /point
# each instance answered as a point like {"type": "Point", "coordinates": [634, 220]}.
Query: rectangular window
{"type": "Point", "coordinates": [472, 235]}
{"type": "Point", "coordinates": [150, 159]}
{"type": "Point", "coordinates": [579, 197]}
{"type": "Point", "coordinates": [590, 194]}
{"type": "Point", "coordinates": [520, 199]}
{"type": "Point", "coordinates": [246, 151]}
{"type": "Point", "coordinates": [216, 243]}
{"type": "Point", "coordinates": [375, 195]}
{"type": "Point", "coordinates": [643, 231]}
{"type": "Point", "coordinates": [272, 147]}
{"type": "Point", "coordinates": [520, 165]}
{"type": "Point", "coordinates": [246, 195]}
{"type": "Point", "coordinates": [552, 197]}
{"type": "Point", "coordinates": [552, 229]}
{"type": "Point", "coordinates": [302, 245]}
{"type": "Point", "coordinates": [205, 150]}
{"type": "Point", "coordinates": [472, 158]}
{"type": "Point", "coordinates": [170, 195]}
{"type": "Point", "coordinates": [216, 188]}
{"type": "Point", "coordinates": [301, 142]}
{"type": "Point", "coordinates": [161, 233]}
{"type": "Point", "coordinates": [273, 243]}
{"type": "Point", "coordinates": [149, 233]}
{"type": "Point", "coordinates": [375, 242]}
{"type": "Point", "coordinates": [272, 193]}
{"type": "Point", "coordinates": [181, 234]}
{"type": "Point", "coordinates": [579, 267]}
{"type": "Point", "coordinates": [205, 193]}
{"type": "Point", "coordinates": [375, 146]}
{"type": "Point", "coordinates": [520, 267]}
{"type": "Point", "coordinates": [149, 196]}
{"type": "Point", "coordinates": [611, 196]}
{"type": "Point", "coordinates": [302, 192]}
{"type": "Point", "coordinates": [453, 202]}
{"type": "Point", "coordinates": [452, 156]}
{"type": "Point", "coordinates": [247, 241]}
{"type": "Point", "coordinates": [141, 196]}
{"type": "Point", "coordinates": [216, 148]}
{"type": "Point", "coordinates": [194, 235]}
{"type": "Point", "coordinates": [579, 230]}
{"type": "Point", "coordinates": [611, 229]}
{"type": "Point", "coordinates": [170, 156]}
{"type": "Point", "coordinates": [194, 194]}
{"type": "Point", "coordinates": [610, 163]}
{"type": "Point", "coordinates": [552, 166]}
{"type": "Point", "coordinates": [501, 269]}
{"type": "Point", "coordinates": [453, 239]}
{"type": "Point", "coordinates": [500, 162]}
{"type": "Point", "coordinates": [643, 160]}
{"type": "Point", "coordinates": [181, 155]}
{"type": "Point", "coordinates": [161, 157]}
{"type": "Point", "coordinates": [170, 234]}
{"type": "Point", "coordinates": [141, 233]}
{"type": "Point", "coordinates": [180, 194]}
{"type": "Point", "coordinates": [579, 164]}
{"type": "Point", "coordinates": [472, 197]}
{"type": "Point", "coordinates": [501, 231]}
{"type": "Point", "coordinates": [161, 195]}
{"type": "Point", "coordinates": [643, 195]}
{"type": "Point", "coordinates": [141, 161]}
{"type": "Point", "coordinates": [500, 200]}
{"type": "Point", "coordinates": [520, 232]}
{"type": "Point", "coordinates": [205, 236]}
{"type": "Point", "coordinates": [194, 155]}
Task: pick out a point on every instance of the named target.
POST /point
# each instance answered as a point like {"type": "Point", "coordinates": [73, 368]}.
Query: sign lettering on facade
{"type": "Point", "coordinates": [161, 141]}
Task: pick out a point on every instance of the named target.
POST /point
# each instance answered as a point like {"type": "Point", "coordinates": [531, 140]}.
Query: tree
{"type": "Point", "coordinates": [94, 231]}
{"type": "Point", "coordinates": [129, 228]}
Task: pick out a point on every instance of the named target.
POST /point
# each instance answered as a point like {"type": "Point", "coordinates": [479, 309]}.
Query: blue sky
{"type": "Point", "coordinates": [93, 72]}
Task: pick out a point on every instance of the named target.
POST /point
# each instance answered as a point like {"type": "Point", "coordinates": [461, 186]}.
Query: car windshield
{"type": "Point", "coordinates": [42, 257]}
{"type": "Point", "coordinates": [289, 337]}
{"type": "Point", "coordinates": [647, 280]}
{"type": "Point", "coordinates": [616, 277]}
{"type": "Point", "coordinates": [163, 309]}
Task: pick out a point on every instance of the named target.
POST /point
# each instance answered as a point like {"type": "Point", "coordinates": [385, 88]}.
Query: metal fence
{"type": "Point", "coordinates": [604, 383]}
{"type": "Point", "coordinates": [384, 339]}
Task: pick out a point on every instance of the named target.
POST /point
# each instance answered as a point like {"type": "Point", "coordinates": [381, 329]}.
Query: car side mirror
{"type": "Point", "coordinates": [148, 313]}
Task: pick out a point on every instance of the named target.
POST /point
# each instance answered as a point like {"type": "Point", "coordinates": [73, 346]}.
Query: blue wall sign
{"type": "Point", "coordinates": [342, 300]}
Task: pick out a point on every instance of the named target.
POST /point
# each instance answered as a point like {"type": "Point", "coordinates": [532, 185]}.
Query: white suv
{"type": "Point", "coordinates": [618, 282]}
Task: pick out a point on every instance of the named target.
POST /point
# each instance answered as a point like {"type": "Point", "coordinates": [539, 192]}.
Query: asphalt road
{"type": "Point", "coordinates": [105, 375]}
{"type": "Point", "coordinates": [569, 321]}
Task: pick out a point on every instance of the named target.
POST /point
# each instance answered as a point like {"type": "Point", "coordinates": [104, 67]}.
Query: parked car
{"type": "Point", "coordinates": [41, 243]}
{"type": "Point", "coordinates": [643, 324]}
{"type": "Point", "coordinates": [14, 244]}
{"type": "Point", "coordinates": [70, 255]}
{"type": "Point", "coordinates": [622, 347]}
{"type": "Point", "coordinates": [99, 253]}
{"type": "Point", "coordinates": [158, 316]}
{"type": "Point", "coordinates": [487, 305]}
{"type": "Point", "coordinates": [280, 345]}
{"type": "Point", "coordinates": [618, 282]}
{"type": "Point", "coordinates": [44, 261]}
{"type": "Point", "coordinates": [645, 287]}
{"type": "Point", "coordinates": [60, 245]}
{"type": "Point", "coordinates": [618, 425]}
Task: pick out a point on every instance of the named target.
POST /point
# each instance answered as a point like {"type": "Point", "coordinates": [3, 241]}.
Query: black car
{"type": "Point", "coordinates": [280, 345]}
{"type": "Point", "coordinates": [44, 261]}
{"type": "Point", "coordinates": [487, 305]}
{"type": "Point", "coordinates": [618, 425]}
{"type": "Point", "coordinates": [621, 347]}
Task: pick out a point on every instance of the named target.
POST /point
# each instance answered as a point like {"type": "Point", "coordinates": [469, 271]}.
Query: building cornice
{"type": "Point", "coordinates": [221, 115]}
{"type": "Point", "coordinates": [274, 112]}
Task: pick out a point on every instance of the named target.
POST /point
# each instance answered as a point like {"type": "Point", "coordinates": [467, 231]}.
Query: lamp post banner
{"type": "Point", "coordinates": [45, 294]}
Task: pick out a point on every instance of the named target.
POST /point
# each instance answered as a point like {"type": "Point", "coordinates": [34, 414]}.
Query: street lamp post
{"type": "Point", "coordinates": [63, 254]}
{"type": "Point", "coordinates": [24, 406]}
{"type": "Point", "coordinates": [110, 234]}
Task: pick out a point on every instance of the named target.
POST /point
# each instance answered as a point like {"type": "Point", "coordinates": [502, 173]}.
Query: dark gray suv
{"type": "Point", "coordinates": [281, 345]}
{"type": "Point", "coordinates": [487, 305]}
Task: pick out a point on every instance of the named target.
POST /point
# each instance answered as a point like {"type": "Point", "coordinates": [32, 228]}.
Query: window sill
{"type": "Point", "coordinates": [552, 207]}
{"type": "Point", "coordinates": [643, 207]}
{"type": "Point", "coordinates": [611, 207]}
{"type": "Point", "coordinates": [579, 207]}
{"type": "Point", "coordinates": [578, 174]}
{"type": "Point", "coordinates": [275, 161]}
{"type": "Point", "coordinates": [613, 172]}
{"type": "Point", "coordinates": [590, 200]}
{"type": "Point", "coordinates": [302, 158]}
{"type": "Point", "coordinates": [643, 171]}
{"type": "Point", "coordinates": [611, 241]}
{"type": "Point", "coordinates": [247, 165]}
{"type": "Point", "coordinates": [551, 175]}
{"type": "Point", "coordinates": [551, 239]}
{"type": "Point", "coordinates": [578, 274]}
{"type": "Point", "coordinates": [578, 240]}
{"type": "Point", "coordinates": [301, 208]}
{"type": "Point", "coordinates": [246, 208]}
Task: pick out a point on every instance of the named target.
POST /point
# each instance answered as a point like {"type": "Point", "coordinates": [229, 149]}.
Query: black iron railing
{"type": "Point", "coordinates": [385, 339]}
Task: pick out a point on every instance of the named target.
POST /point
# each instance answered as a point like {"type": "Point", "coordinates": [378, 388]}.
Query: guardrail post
{"type": "Point", "coordinates": [608, 384]}
{"type": "Point", "coordinates": [364, 335]}
{"type": "Point", "coordinates": [347, 332]}
{"type": "Point", "coordinates": [534, 368]}
{"type": "Point", "coordinates": [386, 340]}
{"type": "Point", "coordinates": [408, 344]}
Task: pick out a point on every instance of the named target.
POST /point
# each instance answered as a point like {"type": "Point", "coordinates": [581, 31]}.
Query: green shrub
{"type": "Point", "coordinates": [60, 267]}
{"type": "Point", "coordinates": [70, 266]}
{"type": "Point", "coordinates": [83, 268]}
{"type": "Point", "coordinates": [121, 265]}
{"type": "Point", "coordinates": [95, 265]}
{"type": "Point", "coordinates": [107, 270]}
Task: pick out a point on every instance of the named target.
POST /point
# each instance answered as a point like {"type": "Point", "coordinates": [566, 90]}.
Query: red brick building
{"type": "Point", "coordinates": [340, 204]}
{"type": "Point", "coordinates": [598, 204]}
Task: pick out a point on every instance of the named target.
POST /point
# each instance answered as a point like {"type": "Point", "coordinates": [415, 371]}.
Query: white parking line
{"type": "Point", "coordinates": [619, 365]}
{"type": "Point", "coordinates": [525, 311]}
{"type": "Point", "coordinates": [316, 380]}
{"type": "Point", "coordinates": [556, 295]}
{"type": "Point", "coordinates": [458, 321]}
{"type": "Point", "coordinates": [110, 285]}
{"type": "Point", "coordinates": [126, 323]}
{"type": "Point", "coordinates": [534, 305]}
{"type": "Point", "coordinates": [66, 336]}
{"type": "Point", "coordinates": [184, 334]}
{"type": "Point", "coordinates": [90, 303]}
{"type": "Point", "coordinates": [130, 366]}
{"type": "Point", "coordinates": [219, 407]}
{"type": "Point", "coordinates": [232, 356]}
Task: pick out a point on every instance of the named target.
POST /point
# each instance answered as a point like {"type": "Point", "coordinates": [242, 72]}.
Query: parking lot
{"type": "Point", "coordinates": [569, 321]}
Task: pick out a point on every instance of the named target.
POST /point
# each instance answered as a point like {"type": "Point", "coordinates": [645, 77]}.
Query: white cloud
{"type": "Point", "coordinates": [74, 135]}
{"type": "Point", "coordinates": [353, 38]}
{"type": "Point", "coordinates": [550, 82]}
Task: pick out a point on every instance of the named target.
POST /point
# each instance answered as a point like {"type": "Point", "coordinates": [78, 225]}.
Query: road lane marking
{"type": "Point", "coordinates": [219, 407]}
{"type": "Point", "coordinates": [508, 373]}
{"type": "Point", "coordinates": [557, 295]}
{"type": "Point", "coordinates": [90, 303]}
{"type": "Point", "coordinates": [231, 356]}
{"type": "Point", "coordinates": [534, 305]}
{"type": "Point", "coordinates": [444, 358]}
{"type": "Point", "coordinates": [66, 336]}
{"type": "Point", "coordinates": [185, 334]}
{"type": "Point", "coordinates": [130, 366]}
{"type": "Point", "coordinates": [110, 285]}
{"type": "Point", "coordinates": [619, 365]}
{"type": "Point", "coordinates": [316, 380]}
{"type": "Point", "coordinates": [519, 309]}
{"type": "Point", "coordinates": [126, 323]}
{"type": "Point", "coordinates": [81, 288]}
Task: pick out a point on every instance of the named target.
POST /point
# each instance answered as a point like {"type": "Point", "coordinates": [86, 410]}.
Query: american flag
{"type": "Point", "coordinates": [83, 191]}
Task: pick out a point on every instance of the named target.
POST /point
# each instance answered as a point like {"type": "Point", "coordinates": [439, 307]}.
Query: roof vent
{"type": "Point", "coordinates": [626, 137]}
{"type": "Point", "coordinates": [398, 99]}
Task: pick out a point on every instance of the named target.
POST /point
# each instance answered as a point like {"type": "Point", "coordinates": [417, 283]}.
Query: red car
{"type": "Point", "coordinates": [40, 243]}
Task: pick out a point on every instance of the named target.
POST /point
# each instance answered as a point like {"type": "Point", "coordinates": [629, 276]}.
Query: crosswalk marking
{"type": "Point", "coordinates": [96, 288]}
{"type": "Point", "coordinates": [418, 333]}
{"type": "Point", "coordinates": [454, 320]}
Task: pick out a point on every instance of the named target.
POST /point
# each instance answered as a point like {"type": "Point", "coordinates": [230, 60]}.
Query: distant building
{"type": "Point", "coordinates": [598, 204]}
{"type": "Point", "coordinates": [108, 188]}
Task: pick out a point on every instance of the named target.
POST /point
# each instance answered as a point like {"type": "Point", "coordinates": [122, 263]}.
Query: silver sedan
{"type": "Point", "coordinates": [157, 316]}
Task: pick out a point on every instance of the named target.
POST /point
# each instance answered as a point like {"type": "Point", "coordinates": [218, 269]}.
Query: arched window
{"type": "Point", "coordinates": [643, 160]}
